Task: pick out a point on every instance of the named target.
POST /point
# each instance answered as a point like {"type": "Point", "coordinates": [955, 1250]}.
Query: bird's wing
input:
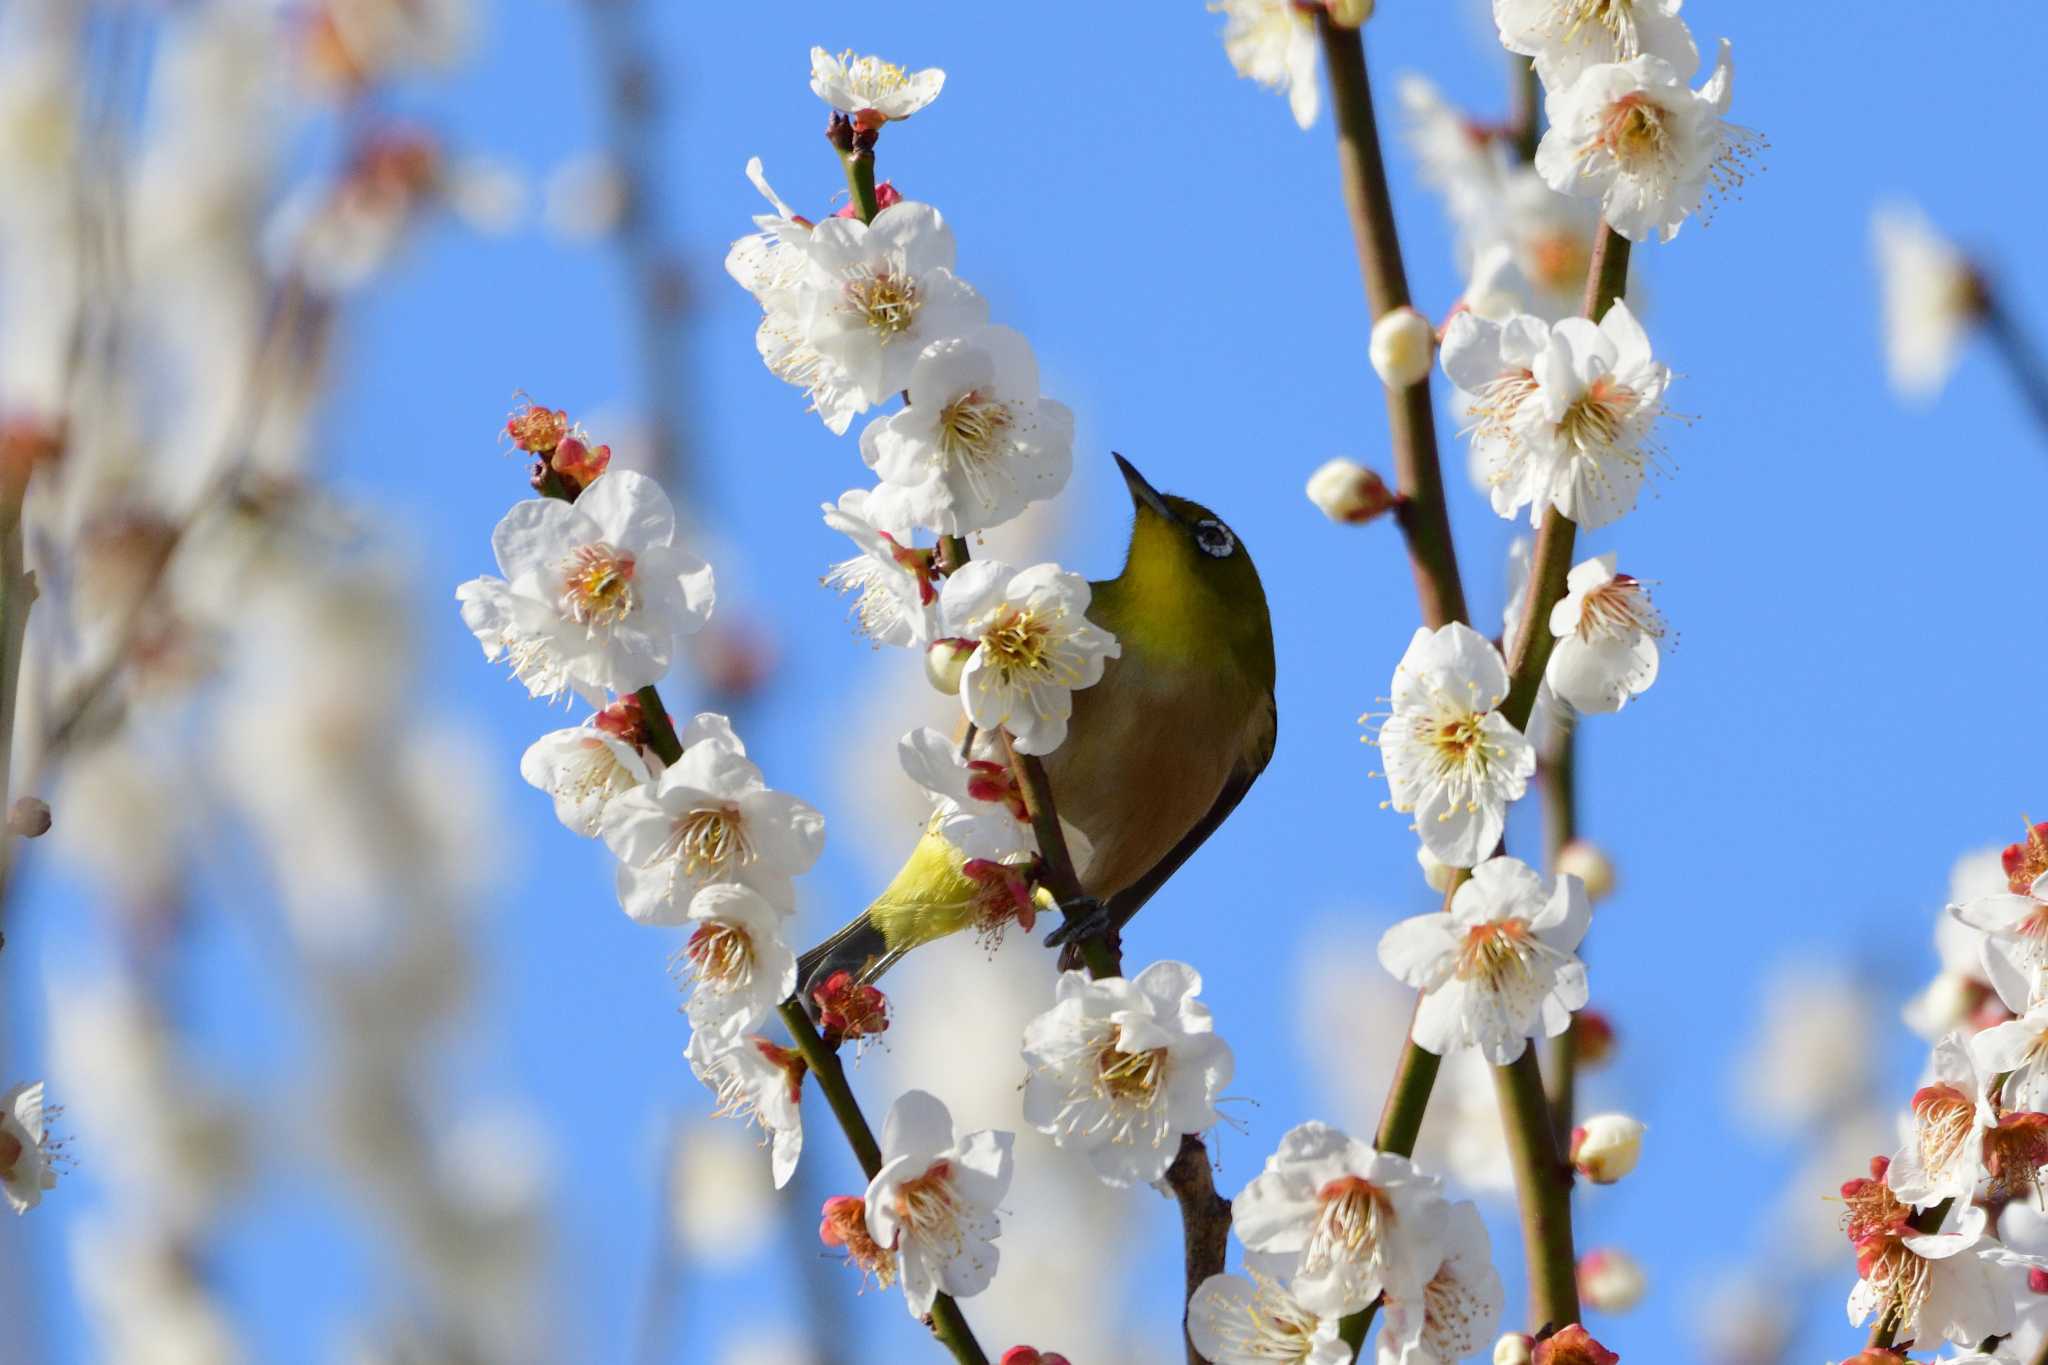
{"type": "Point", "coordinates": [1258, 751]}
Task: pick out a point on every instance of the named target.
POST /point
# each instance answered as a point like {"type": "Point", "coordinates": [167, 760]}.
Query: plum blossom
{"type": "Point", "coordinates": [1632, 135]}
{"type": "Point", "coordinates": [27, 1159]}
{"type": "Point", "coordinates": [774, 258]}
{"type": "Point", "coordinates": [1944, 1153]}
{"type": "Point", "coordinates": [1951, 1286]}
{"type": "Point", "coordinates": [585, 766]}
{"type": "Point", "coordinates": [1567, 36]}
{"type": "Point", "coordinates": [1498, 965]}
{"type": "Point", "coordinates": [976, 443]}
{"type": "Point", "coordinates": [1034, 647]}
{"type": "Point", "coordinates": [1274, 43]}
{"type": "Point", "coordinates": [1458, 1310]}
{"type": "Point", "coordinates": [2018, 1047]}
{"type": "Point", "coordinates": [709, 818]}
{"type": "Point", "coordinates": [739, 963]}
{"type": "Point", "coordinates": [1452, 759]}
{"type": "Point", "coordinates": [876, 294]}
{"type": "Point", "coordinates": [934, 1200]}
{"type": "Point", "coordinates": [2015, 943]}
{"type": "Point", "coordinates": [1233, 1320]}
{"type": "Point", "coordinates": [1360, 1222]}
{"type": "Point", "coordinates": [976, 805]}
{"type": "Point", "coordinates": [1120, 1069]}
{"type": "Point", "coordinates": [898, 598]}
{"type": "Point", "coordinates": [873, 91]}
{"type": "Point", "coordinates": [757, 1081]}
{"type": "Point", "coordinates": [1561, 415]}
{"type": "Point", "coordinates": [595, 596]}
{"type": "Point", "coordinates": [1607, 633]}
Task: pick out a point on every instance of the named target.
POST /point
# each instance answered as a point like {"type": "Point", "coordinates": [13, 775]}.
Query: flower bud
{"type": "Point", "coordinates": [1606, 1147]}
{"type": "Point", "coordinates": [945, 660]}
{"type": "Point", "coordinates": [577, 462]}
{"type": "Point", "coordinates": [2037, 1280]}
{"type": "Point", "coordinates": [30, 817]}
{"type": "Point", "coordinates": [1403, 348]}
{"type": "Point", "coordinates": [1592, 1039]}
{"type": "Point", "coordinates": [1434, 871]}
{"type": "Point", "coordinates": [1350, 13]}
{"type": "Point", "coordinates": [1026, 1355]}
{"type": "Point", "coordinates": [1574, 1346]}
{"type": "Point", "coordinates": [1349, 492]}
{"type": "Point", "coordinates": [1585, 860]}
{"type": "Point", "coordinates": [1611, 1281]}
{"type": "Point", "coordinates": [1514, 1348]}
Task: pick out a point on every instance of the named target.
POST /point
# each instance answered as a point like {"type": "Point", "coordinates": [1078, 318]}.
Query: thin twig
{"type": "Point", "coordinates": [2022, 357]}
{"type": "Point", "coordinates": [1411, 414]}
{"type": "Point", "coordinates": [1560, 788]}
{"type": "Point", "coordinates": [946, 1323]}
{"type": "Point", "coordinates": [1058, 864]}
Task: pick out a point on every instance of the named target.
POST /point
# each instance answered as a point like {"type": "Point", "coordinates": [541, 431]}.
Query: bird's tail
{"type": "Point", "coordinates": [860, 948]}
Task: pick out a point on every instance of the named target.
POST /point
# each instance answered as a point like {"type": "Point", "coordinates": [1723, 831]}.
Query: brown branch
{"type": "Point", "coordinates": [1058, 864]}
{"type": "Point", "coordinates": [1543, 1184]}
{"type": "Point", "coordinates": [1205, 1224]}
{"type": "Point", "coordinates": [1411, 413]}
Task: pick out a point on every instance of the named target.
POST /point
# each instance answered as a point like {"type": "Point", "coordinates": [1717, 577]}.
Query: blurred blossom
{"type": "Point", "coordinates": [722, 1198]}
{"type": "Point", "coordinates": [488, 196]}
{"type": "Point", "coordinates": [167, 1136]}
{"type": "Point", "coordinates": [1931, 295]}
{"type": "Point", "coordinates": [1745, 1317]}
{"type": "Point", "coordinates": [353, 43]}
{"type": "Point", "coordinates": [1810, 1054]}
{"type": "Point", "coordinates": [336, 235]}
{"type": "Point", "coordinates": [117, 796]}
{"type": "Point", "coordinates": [146, 1298]}
{"type": "Point", "coordinates": [768, 1346]}
{"type": "Point", "coordinates": [585, 198]}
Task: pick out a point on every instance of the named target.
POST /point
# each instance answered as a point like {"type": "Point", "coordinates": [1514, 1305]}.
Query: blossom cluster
{"type": "Point", "coordinates": [1947, 1242]}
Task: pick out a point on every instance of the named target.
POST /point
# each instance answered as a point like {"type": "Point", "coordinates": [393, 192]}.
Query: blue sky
{"type": "Point", "coordinates": [1847, 709]}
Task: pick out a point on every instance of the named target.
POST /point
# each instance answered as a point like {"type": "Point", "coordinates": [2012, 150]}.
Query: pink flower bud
{"type": "Point", "coordinates": [945, 660]}
{"type": "Point", "coordinates": [1573, 1346]}
{"type": "Point", "coordinates": [1348, 492]}
{"type": "Point", "coordinates": [1606, 1147]}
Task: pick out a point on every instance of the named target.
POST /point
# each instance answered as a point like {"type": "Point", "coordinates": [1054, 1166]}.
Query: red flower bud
{"type": "Point", "coordinates": [1573, 1346]}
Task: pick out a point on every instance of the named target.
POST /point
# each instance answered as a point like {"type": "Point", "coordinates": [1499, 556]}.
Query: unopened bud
{"type": "Point", "coordinates": [1574, 1346]}
{"type": "Point", "coordinates": [1611, 1281]}
{"type": "Point", "coordinates": [577, 462]}
{"type": "Point", "coordinates": [29, 818]}
{"type": "Point", "coordinates": [886, 194]}
{"type": "Point", "coordinates": [1027, 1355]}
{"type": "Point", "coordinates": [1606, 1147]}
{"type": "Point", "coordinates": [1584, 860]}
{"type": "Point", "coordinates": [1435, 871]}
{"type": "Point", "coordinates": [2037, 1280]}
{"type": "Point", "coordinates": [1403, 348]}
{"type": "Point", "coordinates": [1514, 1348]}
{"type": "Point", "coordinates": [1348, 492]}
{"type": "Point", "coordinates": [1592, 1039]}
{"type": "Point", "coordinates": [945, 660]}
{"type": "Point", "coordinates": [839, 132]}
{"type": "Point", "coordinates": [1350, 13]}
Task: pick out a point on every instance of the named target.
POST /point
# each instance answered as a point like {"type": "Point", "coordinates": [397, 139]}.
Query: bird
{"type": "Point", "coordinates": [1157, 754]}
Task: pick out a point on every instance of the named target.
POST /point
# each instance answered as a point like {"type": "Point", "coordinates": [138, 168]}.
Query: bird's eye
{"type": "Point", "coordinates": [1215, 539]}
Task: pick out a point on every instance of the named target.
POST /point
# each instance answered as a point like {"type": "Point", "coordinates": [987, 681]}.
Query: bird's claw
{"type": "Point", "coordinates": [1087, 918]}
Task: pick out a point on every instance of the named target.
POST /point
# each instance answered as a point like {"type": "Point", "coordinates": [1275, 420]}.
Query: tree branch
{"type": "Point", "coordinates": [1543, 1183]}
{"type": "Point", "coordinates": [1205, 1224]}
{"type": "Point", "coordinates": [1411, 414]}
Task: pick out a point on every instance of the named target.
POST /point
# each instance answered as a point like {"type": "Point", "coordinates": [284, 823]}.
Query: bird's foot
{"type": "Point", "coordinates": [1085, 918]}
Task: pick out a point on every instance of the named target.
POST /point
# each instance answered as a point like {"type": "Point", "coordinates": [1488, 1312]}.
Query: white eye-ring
{"type": "Point", "coordinates": [1215, 539]}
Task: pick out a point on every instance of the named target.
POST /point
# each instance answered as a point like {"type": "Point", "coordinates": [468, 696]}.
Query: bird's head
{"type": "Point", "coordinates": [1188, 585]}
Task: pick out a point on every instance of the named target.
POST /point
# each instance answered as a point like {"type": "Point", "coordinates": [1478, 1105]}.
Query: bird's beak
{"type": "Point", "coordinates": [1142, 493]}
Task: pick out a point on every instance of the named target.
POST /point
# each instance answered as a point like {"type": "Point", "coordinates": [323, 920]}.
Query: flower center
{"type": "Point", "coordinates": [2015, 1151]}
{"type": "Point", "coordinates": [1351, 1224]}
{"type": "Point", "coordinates": [1020, 642]}
{"type": "Point", "coordinates": [973, 428]}
{"type": "Point", "coordinates": [1459, 756]}
{"type": "Point", "coordinates": [1493, 414]}
{"type": "Point", "coordinates": [1900, 1277]}
{"type": "Point", "coordinates": [1132, 1078]}
{"type": "Point", "coordinates": [10, 1154]}
{"type": "Point", "coordinates": [929, 1207]}
{"type": "Point", "coordinates": [710, 839]}
{"type": "Point", "coordinates": [722, 955]}
{"type": "Point", "coordinates": [1619, 607]}
{"type": "Point", "coordinates": [845, 1225]}
{"type": "Point", "coordinates": [1946, 1117]}
{"type": "Point", "coordinates": [1272, 1327]}
{"type": "Point", "coordinates": [595, 771]}
{"type": "Point", "coordinates": [1592, 424]}
{"type": "Point", "coordinates": [1634, 134]}
{"type": "Point", "coordinates": [888, 299]}
{"type": "Point", "coordinates": [1496, 953]}
{"type": "Point", "coordinates": [1617, 17]}
{"type": "Point", "coordinates": [871, 77]}
{"type": "Point", "coordinates": [1872, 1209]}
{"type": "Point", "coordinates": [597, 585]}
